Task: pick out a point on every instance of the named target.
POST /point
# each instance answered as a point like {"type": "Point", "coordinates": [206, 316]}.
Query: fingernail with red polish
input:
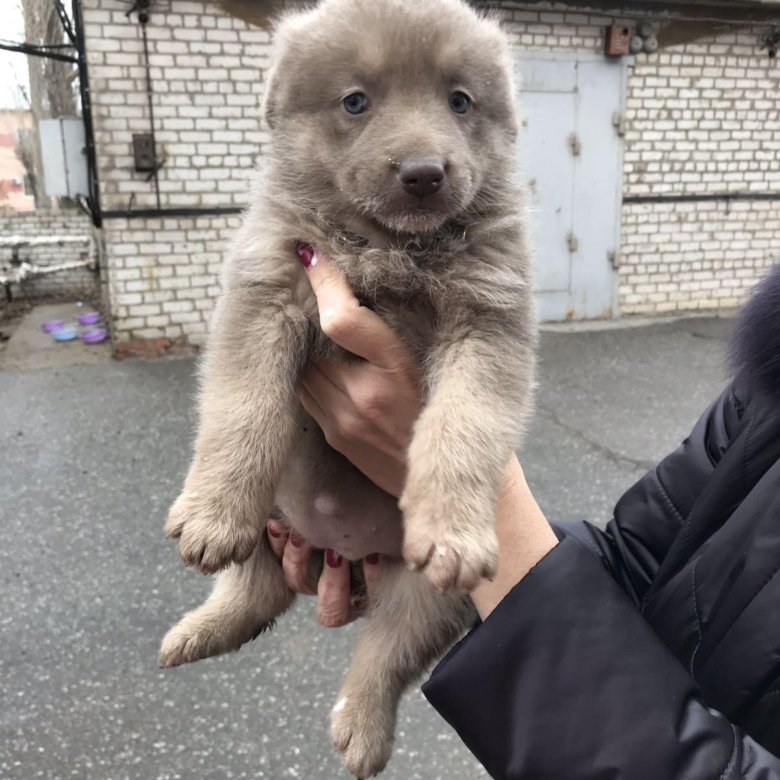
{"type": "Point", "coordinates": [275, 529]}
{"type": "Point", "coordinates": [373, 559]}
{"type": "Point", "coordinates": [333, 559]}
{"type": "Point", "coordinates": [296, 539]}
{"type": "Point", "coordinates": [306, 255]}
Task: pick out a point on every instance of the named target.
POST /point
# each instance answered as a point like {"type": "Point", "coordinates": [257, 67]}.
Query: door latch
{"type": "Point", "coordinates": [619, 123]}
{"type": "Point", "coordinates": [575, 144]}
{"type": "Point", "coordinates": [573, 242]}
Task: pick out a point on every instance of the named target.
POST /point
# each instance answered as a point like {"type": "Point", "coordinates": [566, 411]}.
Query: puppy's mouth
{"type": "Point", "coordinates": [402, 213]}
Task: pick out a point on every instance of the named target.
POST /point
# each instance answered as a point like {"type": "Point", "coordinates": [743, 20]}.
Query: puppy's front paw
{"type": "Point", "coordinates": [212, 530]}
{"type": "Point", "coordinates": [452, 551]}
{"type": "Point", "coordinates": [363, 735]}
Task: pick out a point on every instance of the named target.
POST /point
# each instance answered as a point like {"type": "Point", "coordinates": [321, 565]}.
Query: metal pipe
{"type": "Point", "coordinates": [38, 51]}
{"type": "Point", "coordinates": [215, 211]}
{"type": "Point", "coordinates": [64, 21]}
{"type": "Point", "coordinates": [143, 18]}
{"type": "Point", "coordinates": [725, 197]}
{"type": "Point", "coordinates": [86, 114]}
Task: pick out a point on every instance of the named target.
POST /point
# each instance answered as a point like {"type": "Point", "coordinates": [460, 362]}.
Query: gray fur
{"type": "Point", "coordinates": [452, 277]}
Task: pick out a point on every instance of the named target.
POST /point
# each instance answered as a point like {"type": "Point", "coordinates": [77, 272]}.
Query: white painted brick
{"type": "Point", "coordinates": [699, 119]}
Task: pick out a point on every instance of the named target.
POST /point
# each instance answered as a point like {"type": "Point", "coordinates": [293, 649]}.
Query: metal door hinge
{"type": "Point", "coordinates": [619, 123]}
{"type": "Point", "coordinates": [573, 242]}
{"type": "Point", "coordinates": [614, 259]}
{"type": "Point", "coordinates": [575, 144]}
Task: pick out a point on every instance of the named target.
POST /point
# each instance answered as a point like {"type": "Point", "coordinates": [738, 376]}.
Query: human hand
{"type": "Point", "coordinates": [365, 408]}
{"type": "Point", "coordinates": [337, 605]}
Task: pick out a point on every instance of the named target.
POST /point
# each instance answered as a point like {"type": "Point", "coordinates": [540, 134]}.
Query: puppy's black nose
{"type": "Point", "coordinates": [422, 176]}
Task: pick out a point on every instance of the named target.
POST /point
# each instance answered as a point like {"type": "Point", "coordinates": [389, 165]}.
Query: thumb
{"type": "Point", "coordinates": [356, 328]}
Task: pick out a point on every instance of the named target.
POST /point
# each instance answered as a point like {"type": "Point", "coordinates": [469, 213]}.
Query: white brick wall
{"type": "Point", "coordinates": [701, 256]}
{"type": "Point", "coordinates": [164, 275]}
{"type": "Point", "coordinates": [74, 282]}
{"type": "Point", "coordinates": [702, 118]}
{"type": "Point", "coordinates": [207, 73]}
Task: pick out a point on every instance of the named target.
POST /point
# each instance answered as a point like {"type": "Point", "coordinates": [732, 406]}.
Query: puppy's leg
{"type": "Point", "coordinates": [409, 626]}
{"type": "Point", "coordinates": [480, 392]}
{"type": "Point", "coordinates": [247, 425]}
{"type": "Point", "coordinates": [247, 597]}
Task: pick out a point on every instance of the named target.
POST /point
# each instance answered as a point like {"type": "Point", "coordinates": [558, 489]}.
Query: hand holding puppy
{"type": "Point", "coordinates": [366, 410]}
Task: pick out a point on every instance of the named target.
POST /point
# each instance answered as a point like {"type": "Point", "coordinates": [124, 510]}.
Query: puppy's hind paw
{"type": "Point", "coordinates": [363, 735]}
{"type": "Point", "coordinates": [187, 642]}
{"type": "Point", "coordinates": [197, 636]}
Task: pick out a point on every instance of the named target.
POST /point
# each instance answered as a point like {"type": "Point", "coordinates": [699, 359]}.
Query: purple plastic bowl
{"type": "Point", "coordinates": [90, 318]}
{"type": "Point", "coordinates": [94, 336]}
{"type": "Point", "coordinates": [52, 325]}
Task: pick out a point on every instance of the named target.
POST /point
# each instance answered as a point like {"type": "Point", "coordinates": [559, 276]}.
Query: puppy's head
{"type": "Point", "coordinates": [401, 110]}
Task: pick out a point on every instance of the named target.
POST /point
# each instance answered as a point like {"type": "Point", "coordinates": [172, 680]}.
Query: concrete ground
{"type": "Point", "coordinates": [30, 349]}
{"type": "Point", "coordinates": [92, 455]}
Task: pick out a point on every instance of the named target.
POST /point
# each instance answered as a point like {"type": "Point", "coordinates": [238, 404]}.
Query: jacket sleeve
{"type": "Point", "coordinates": [649, 516]}
{"type": "Point", "coordinates": [566, 681]}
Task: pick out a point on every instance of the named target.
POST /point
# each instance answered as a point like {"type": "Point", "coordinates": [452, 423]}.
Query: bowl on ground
{"type": "Point", "coordinates": [67, 333]}
{"type": "Point", "coordinates": [94, 336]}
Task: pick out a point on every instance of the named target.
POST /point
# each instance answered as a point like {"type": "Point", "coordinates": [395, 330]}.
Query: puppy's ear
{"type": "Point", "coordinates": [286, 30]}
{"type": "Point", "coordinates": [270, 97]}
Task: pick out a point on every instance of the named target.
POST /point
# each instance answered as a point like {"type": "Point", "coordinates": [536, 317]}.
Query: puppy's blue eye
{"type": "Point", "coordinates": [356, 103]}
{"type": "Point", "coordinates": [460, 102]}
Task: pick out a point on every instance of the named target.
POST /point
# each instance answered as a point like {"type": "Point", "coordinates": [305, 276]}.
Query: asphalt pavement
{"type": "Point", "coordinates": [90, 458]}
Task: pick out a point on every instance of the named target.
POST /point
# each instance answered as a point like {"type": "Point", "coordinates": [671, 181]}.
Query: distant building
{"type": "Point", "coordinates": [13, 196]}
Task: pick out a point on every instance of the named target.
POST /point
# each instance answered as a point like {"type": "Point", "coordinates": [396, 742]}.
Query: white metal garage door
{"type": "Point", "coordinates": [571, 155]}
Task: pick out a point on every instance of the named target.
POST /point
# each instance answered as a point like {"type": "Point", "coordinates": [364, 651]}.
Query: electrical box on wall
{"type": "Point", "coordinates": [618, 41]}
{"type": "Point", "coordinates": [143, 152]}
{"type": "Point", "coordinates": [64, 155]}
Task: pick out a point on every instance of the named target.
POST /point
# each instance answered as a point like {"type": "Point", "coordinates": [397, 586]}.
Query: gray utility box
{"type": "Point", "coordinates": [63, 148]}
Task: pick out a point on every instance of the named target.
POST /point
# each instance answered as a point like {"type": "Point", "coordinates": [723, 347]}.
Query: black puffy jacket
{"type": "Point", "coordinates": [650, 651]}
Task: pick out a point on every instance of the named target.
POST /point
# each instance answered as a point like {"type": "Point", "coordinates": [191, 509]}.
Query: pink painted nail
{"type": "Point", "coordinates": [333, 559]}
{"type": "Point", "coordinates": [373, 559]}
{"type": "Point", "coordinates": [305, 254]}
{"type": "Point", "coordinates": [275, 529]}
{"type": "Point", "coordinates": [296, 539]}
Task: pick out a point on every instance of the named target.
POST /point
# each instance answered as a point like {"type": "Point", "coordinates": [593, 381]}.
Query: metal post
{"type": "Point", "coordinates": [86, 113]}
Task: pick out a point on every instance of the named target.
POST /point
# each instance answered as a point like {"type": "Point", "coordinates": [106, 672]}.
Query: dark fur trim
{"type": "Point", "coordinates": [755, 348]}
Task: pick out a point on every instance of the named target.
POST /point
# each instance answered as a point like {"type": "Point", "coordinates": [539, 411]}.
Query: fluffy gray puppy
{"type": "Point", "coordinates": [393, 151]}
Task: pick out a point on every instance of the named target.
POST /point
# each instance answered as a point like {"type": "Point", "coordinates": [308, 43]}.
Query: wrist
{"type": "Point", "coordinates": [524, 538]}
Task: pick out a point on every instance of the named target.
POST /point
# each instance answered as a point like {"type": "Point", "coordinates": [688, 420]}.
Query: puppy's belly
{"type": "Point", "coordinates": [332, 505]}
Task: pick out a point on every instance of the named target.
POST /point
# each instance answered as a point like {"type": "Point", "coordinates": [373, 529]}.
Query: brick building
{"type": "Point", "coordinates": [669, 161]}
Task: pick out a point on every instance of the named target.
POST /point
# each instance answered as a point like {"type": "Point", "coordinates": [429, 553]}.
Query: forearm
{"type": "Point", "coordinates": [524, 538]}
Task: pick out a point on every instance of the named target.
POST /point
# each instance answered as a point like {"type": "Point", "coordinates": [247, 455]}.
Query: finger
{"type": "Point", "coordinates": [277, 537]}
{"type": "Point", "coordinates": [338, 371]}
{"type": "Point", "coordinates": [333, 591]}
{"type": "Point", "coordinates": [312, 407]}
{"type": "Point", "coordinates": [295, 563]}
{"type": "Point", "coordinates": [319, 385]}
{"type": "Point", "coordinates": [372, 567]}
{"type": "Point", "coordinates": [352, 326]}
{"type": "Point", "coordinates": [331, 409]}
